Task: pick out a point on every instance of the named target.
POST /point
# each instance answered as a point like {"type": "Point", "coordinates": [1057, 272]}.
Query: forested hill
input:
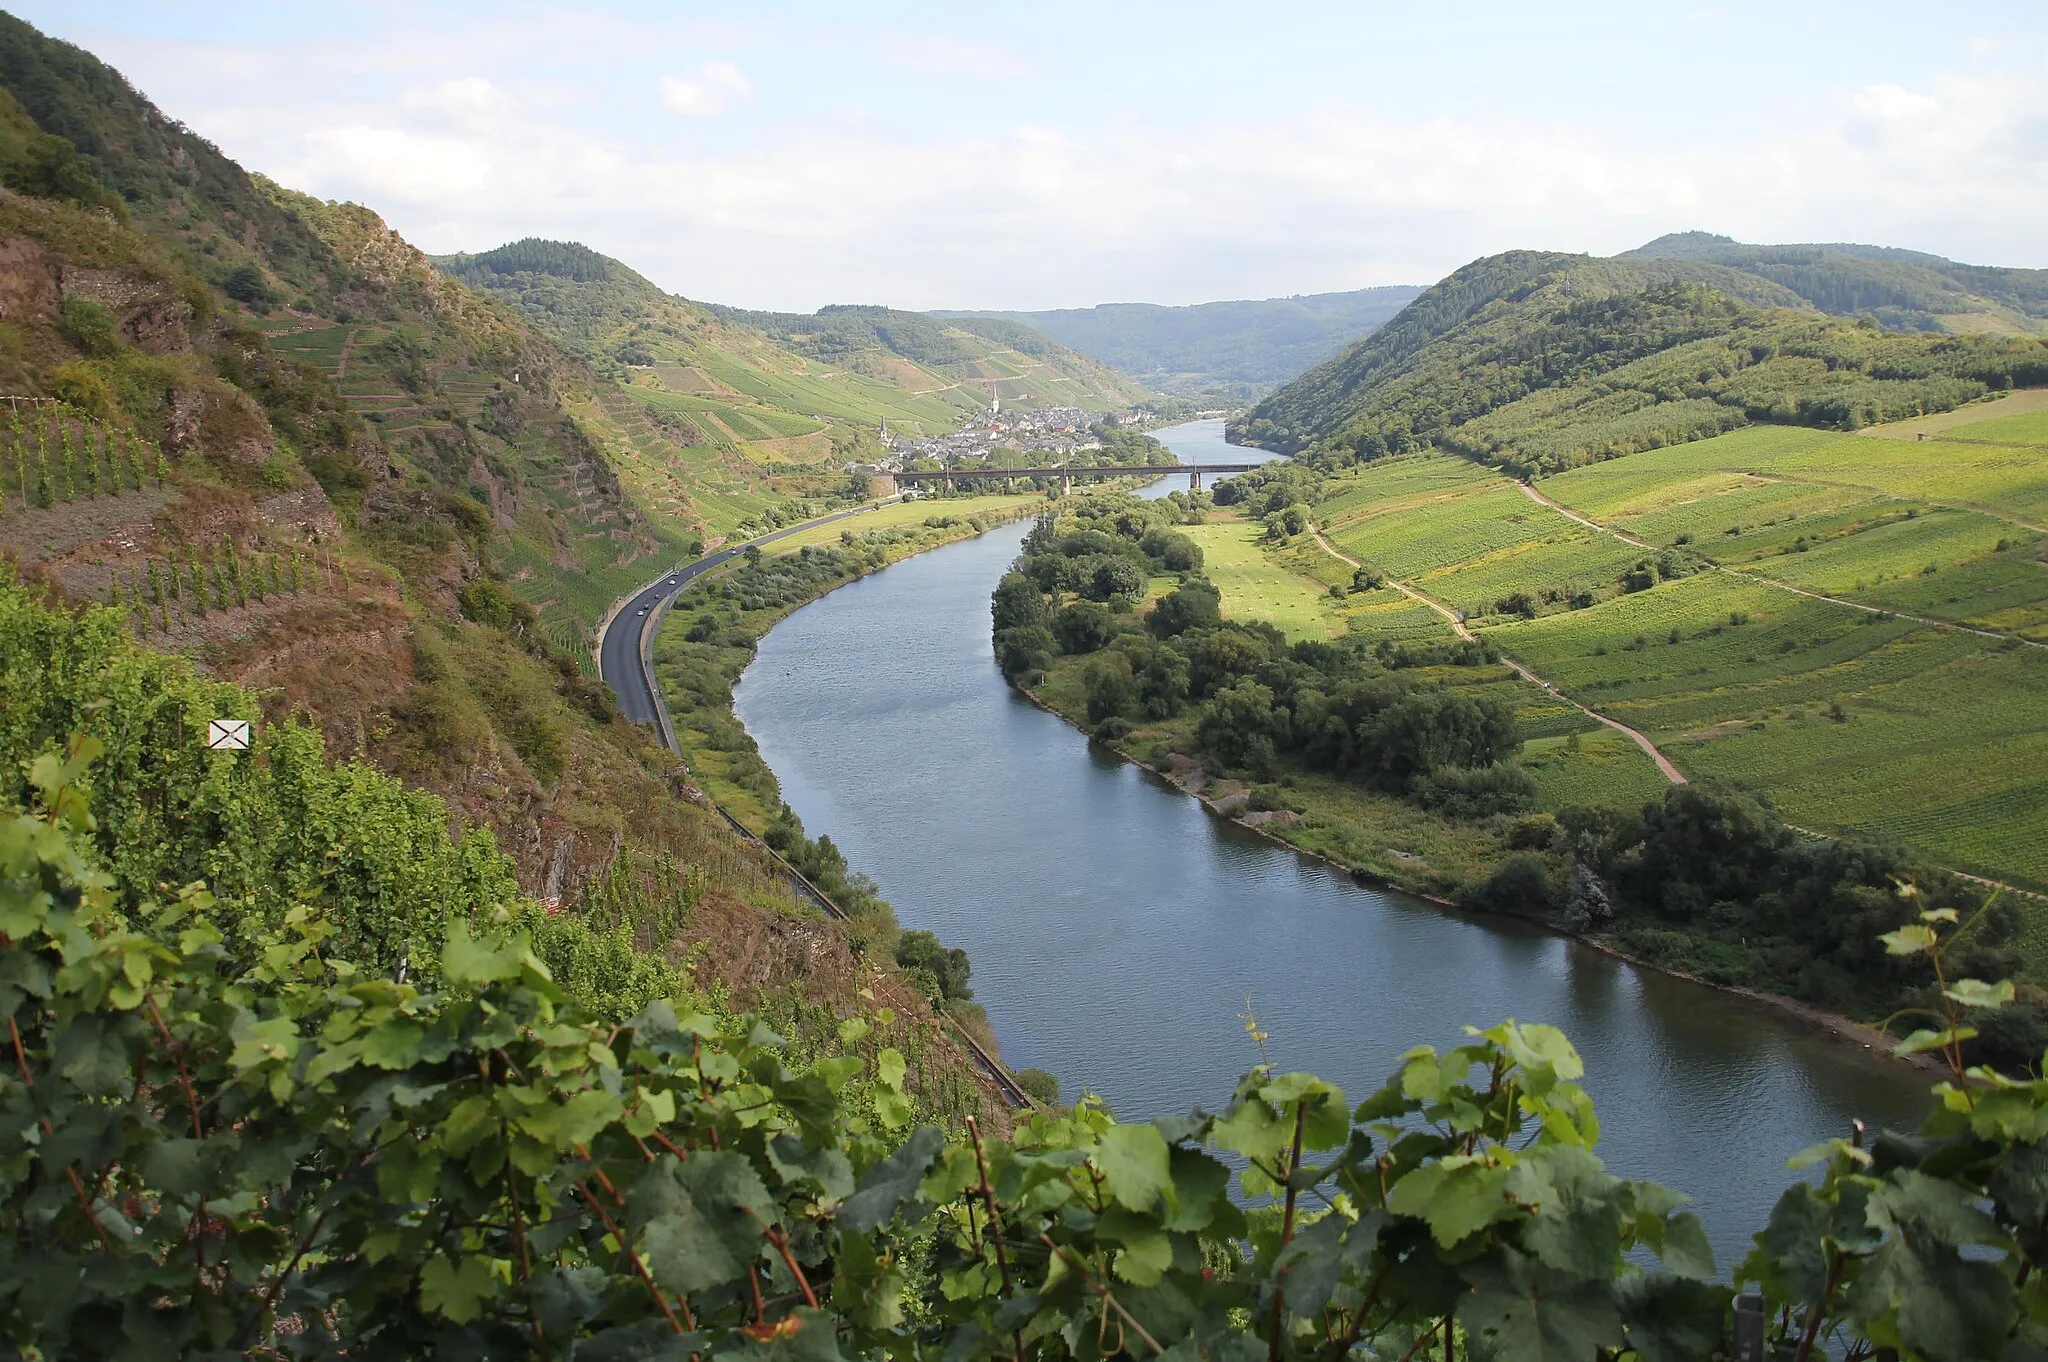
{"type": "Point", "coordinates": [1904, 290]}
{"type": "Point", "coordinates": [1541, 360]}
{"type": "Point", "coordinates": [1233, 349]}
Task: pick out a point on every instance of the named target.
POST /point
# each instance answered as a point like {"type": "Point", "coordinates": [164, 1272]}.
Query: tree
{"type": "Point", "coordinates": [1018, 603]}
{"type": "Point", "coordinates": [947, 968]}
{"type": "Point", "coordinates": [1115, 576]}
{"type": "Point", "coordinates": [1190, 606]}
{"type": "Point", "coordinates": [1111, 692]}
{"type": "Point", "coordinates": [1083, 627]}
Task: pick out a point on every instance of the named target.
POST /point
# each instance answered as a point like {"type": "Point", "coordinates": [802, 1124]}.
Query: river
{"type": "Point", "coordinates": [1118, 930]}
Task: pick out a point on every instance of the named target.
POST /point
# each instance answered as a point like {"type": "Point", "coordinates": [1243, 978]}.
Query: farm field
{"type": "Point", "coordinates": [1852, 723]}
{"type": "Point", "coordinates": [1892, 550]}
{"type": "Point", "coordinates": [1256, 587]}
{"type": "Point", "coordinates": [1855, 721]}
{"type": "Point", "coordinates": [1606, 770]}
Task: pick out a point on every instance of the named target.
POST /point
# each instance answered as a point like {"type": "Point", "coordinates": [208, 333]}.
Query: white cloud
{"type": "Point", "coordinates": [799, 210]}
{"type": "Point", "coordinates": [709, 91]}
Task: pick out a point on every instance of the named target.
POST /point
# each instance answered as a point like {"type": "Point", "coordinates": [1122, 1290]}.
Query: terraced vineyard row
{"type": "Point", "coordinates": [1856, 721]}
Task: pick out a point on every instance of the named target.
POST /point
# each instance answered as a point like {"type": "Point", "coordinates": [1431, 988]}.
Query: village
{"type": "Point", "coordinates": [1057, 433]}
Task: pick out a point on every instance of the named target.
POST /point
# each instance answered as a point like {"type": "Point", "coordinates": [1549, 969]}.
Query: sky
{"type": "Point", "coordinates": [1060, 154]}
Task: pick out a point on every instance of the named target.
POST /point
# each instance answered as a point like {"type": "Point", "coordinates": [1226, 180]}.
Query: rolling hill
{"type": "Point", "coordinates": [782, 386]}
{"type": "Point", "coordinates": [1230, 349]}
{"type": "Point", "coordinates": [1542, 361]}
{"type": "Point", "coordinates": [1904, 290]}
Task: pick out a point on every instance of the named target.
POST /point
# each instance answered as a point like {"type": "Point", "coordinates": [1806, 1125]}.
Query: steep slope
{"type": "Point", "coordinates": [352, 505]}
{"type": "Point", "coordinates": [743, 389]}
{"type": "Point", "coordinates": [970, 359]}
{"type": "Point", "coordinates": [1904, 290]}
{"type": "Point", "coordinates": [1544, 360]}
{"type": "Point", "coordinates": [1233, 349]}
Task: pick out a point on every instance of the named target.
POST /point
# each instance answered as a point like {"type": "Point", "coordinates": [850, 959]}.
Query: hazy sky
{"type": "Point", "coordinates": [1051, 154]}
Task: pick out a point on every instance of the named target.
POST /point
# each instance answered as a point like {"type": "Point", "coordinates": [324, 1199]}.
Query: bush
{"type": "Point", "coordinates": [1465, 792]}
{"type": "Point", "coordinates": [948, 969]}
{"type": "Point", "coordinates": [89, 327]}
{"type": "Point", "coordinates": [1043, 1087]}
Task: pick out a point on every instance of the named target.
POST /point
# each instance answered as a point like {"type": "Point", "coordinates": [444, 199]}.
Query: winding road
{"type": "Point", "coordinates": [622, 661]}
{"type": "Point", "coordinates": [619, 658]}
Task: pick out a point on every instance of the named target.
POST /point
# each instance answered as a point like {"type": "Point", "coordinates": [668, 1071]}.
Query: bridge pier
{"type": "Point", "coordinates": [1194, 479]}
{"type": "Point", "coordinates": [1066, 482]}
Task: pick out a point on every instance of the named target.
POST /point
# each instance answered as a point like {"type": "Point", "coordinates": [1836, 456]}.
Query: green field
{"type": "Point", "coordinates": [901, 514]}
{"type": "Point", "coordinates": [1256, 587]}
{"type": "Point", "coordinates": [1858, 721]}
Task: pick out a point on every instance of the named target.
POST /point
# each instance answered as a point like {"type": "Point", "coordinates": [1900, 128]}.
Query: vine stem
{"type": "Point", "coordinates": [1108, 1297]}
{"type": "Point", "coordinates": [1813, 1320]}
{"type": "Point", "coordinates": [781, 1243]}
{"type": "Point", "coordinates": [626, 1247]}
{"type": "Point", "coordinates": [78, 1187]}
{"type": "Point", "coordinates": [203, 1221]}
{"type": "Point", "coordinates": [995, 1227]}
{"type": "Point", "coordinates": [1286, 1232]}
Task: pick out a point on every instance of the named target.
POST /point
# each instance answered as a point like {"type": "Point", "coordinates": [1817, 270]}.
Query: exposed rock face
{"type": "Point", "coordinates": [221, 421]}
{"type": "Point", "coordinates": [305, 510]}
{"type": "Point", "coordinates": [153, 319]}
{"type": "Point", "coordinates": [28, 280]}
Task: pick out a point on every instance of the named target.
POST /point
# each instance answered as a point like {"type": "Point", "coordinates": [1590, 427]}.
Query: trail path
{"type": "Point", "coordinates": [348, 345]}
{"type": "Point", "coordinates": [1671, 772]}
{"type": "Point", "coordinates": [1749, 576]}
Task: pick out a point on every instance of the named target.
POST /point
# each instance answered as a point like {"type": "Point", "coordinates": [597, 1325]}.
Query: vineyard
{"type": "Point", "coordinates": [56, 455]}
{"type": "Point", "coordinates": [1858, 722]}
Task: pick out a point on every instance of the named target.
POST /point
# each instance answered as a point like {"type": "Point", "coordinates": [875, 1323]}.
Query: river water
{"type": "Point", "coordinates": [1119, 931]}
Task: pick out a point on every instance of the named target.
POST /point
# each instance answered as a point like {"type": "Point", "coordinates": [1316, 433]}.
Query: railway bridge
{"type": "Point", "coordinates": [1066, 473]}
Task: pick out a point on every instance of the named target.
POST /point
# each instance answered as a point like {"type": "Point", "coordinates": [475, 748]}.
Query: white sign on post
{"type": "Point", "coordinates": [228, 735]}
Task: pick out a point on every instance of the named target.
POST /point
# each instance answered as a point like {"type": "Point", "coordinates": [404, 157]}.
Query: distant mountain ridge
{"type": "Point", "coordinates": [905, 367]}
{"type": "Point", "coordinates": [1236, 349]}
{"type": "Point", "coordinates": [1541, 360]}
{"type": "Point", "coordinates": [1905, 290]}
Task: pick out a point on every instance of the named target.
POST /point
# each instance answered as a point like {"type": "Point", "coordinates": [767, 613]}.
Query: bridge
{"type": "Point", "coordinates": [1066, 473]}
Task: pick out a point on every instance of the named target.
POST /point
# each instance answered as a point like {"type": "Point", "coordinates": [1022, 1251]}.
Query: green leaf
{"type": "Point", "coordinates": [1673, 1319]}
{"type": "Point", "coordinates": [696, 1219]}
{"type": "Point", "coordinates": [1133, 1159]}
{"type": "Point", "coordinates": [1580, 1210]}
{"type": "Point", "coordinates": [467, 960]}
{"type": "Point", "coordinates": [91, 1052]}
{"type": "Point", "coordinates": [1977, 993]}
{"type": "Point", "coordinates": [889, 1068]}
{"type": "Point", "coordinates": [1912, 939]}
{"type": "Point", "coordinates": [1519, 1311]}
{"type": "Point", "coordinates": [456, 1290]}
{"type": "Point", "coordinates": [576, 1121]}
{"type": "Point", "coordinates": [1144, 1258]}
{"type": "Point", "coordinates": [393, 1043]}
{"type": "Point", "coordinates": [891, 1182]}
{"type": "Point", "coordinates": [1922, 1041]}
{"type": "Point", "coordinates": [1456, 1198]}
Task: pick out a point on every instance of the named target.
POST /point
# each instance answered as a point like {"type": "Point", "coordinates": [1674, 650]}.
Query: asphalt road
{"type": "Point", "coordinates": [618, 652]}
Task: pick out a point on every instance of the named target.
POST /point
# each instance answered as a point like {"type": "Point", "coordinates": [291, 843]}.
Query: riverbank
{"type": "Point", "coordinates": [1232, 801]}
{"type": "Point", "coordinates": [730, 612]}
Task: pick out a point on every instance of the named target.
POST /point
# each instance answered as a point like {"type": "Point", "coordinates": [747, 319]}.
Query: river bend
{"type": "Point", "coordinates": [1118, 930]}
